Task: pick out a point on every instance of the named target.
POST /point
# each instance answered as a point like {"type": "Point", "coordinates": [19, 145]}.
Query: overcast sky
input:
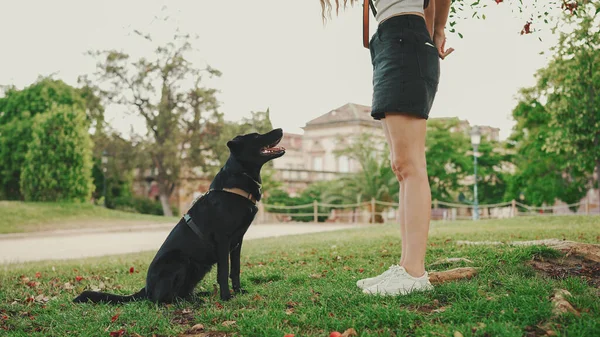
{"type": "Point", "coordinates": [274, 54]}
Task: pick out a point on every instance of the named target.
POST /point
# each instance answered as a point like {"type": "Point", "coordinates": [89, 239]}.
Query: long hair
{"type": "Point", "coordinates": [326, 7]}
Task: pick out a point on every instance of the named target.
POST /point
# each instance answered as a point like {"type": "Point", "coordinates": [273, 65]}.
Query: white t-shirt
{"type": "Point", "coordinates": [388, 8]}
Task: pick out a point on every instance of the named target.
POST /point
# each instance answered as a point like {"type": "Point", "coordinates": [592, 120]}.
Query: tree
{"type": "Point", "coordinates": [17, 110]}
{"type": "Point", "coordinates": [58, 164]}
{"type": "Point", "coordinates": [448, 162]}
{"type": "Point", "coordinates": [375, 179]}
{"type": "Point", "coordinates": [167, 93]}
{"type": "Point", "coordinates": [571, 84]}
{"type": "Point", "coordinates": [541, 176]}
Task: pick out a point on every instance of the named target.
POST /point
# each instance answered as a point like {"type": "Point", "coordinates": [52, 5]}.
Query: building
{"type": "Point", "coordinates": [313, 156]}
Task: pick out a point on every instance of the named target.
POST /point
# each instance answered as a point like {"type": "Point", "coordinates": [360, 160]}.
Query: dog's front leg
{"type": "Point", "coordinates": [235, 269]}
{"type": "Point", "coordinates": [223, 267]}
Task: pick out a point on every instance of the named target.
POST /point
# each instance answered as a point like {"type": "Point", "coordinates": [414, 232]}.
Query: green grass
{"type": "Point", "coordinates": [306, 285]}
{"type": "Point", "coordinates": [20, 217]}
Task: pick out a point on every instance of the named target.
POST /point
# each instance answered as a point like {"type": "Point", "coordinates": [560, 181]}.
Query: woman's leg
{"type": "Point", "coordinates": [407, 139]}
{"type": "Point", "coordinates": [400, 195]}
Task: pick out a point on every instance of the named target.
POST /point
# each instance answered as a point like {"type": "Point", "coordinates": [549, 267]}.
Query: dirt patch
{"type": "Point", "coordinates": [568, 266]}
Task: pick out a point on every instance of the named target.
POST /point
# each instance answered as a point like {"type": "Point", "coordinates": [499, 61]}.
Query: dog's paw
{"type": "Point", "coordinates": [240, 291]}
{"type": "Point", "coordinates": [225, 296]}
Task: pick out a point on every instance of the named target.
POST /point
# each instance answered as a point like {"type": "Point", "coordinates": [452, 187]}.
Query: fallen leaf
{"type": "Point", "coordinates": [117, 333]}
{"type": "Point", "coordinates": [68, 286]}
{"type": "Point", "coordinates": [38, 274]}
{"type": "Point", "coordinates": [458, 334]}
{"type": "Point", "coordinates": [197, 328]}
{"type": "Point", "coordinates": [24, 279]}
{"type": "Point", "coordinates": [289, 335]}
{"type": "Point", "coordinates": [115, 317]}
{"type": "Point", "coordinates": [41, 298]}
{"type": "Point", "coordinates": [78, 278]}
{"type": "Point", "coordinates": [349, 333]}
{"type": "Point", "coordinates": [335, 334]}
{"type": "Point", "coordinates": [131, 270]}
{"type": "Point", "coordinates": [315, 276]}
{"type": "Point", "coordinates": [33, 284]}
{"type": "Point", "coordinates": [218, 305]}
{"type": "Point", "coordinates": [361, 270]}
{"type": "Point", "coordinates": [561, 305]}
{"type": "Point", "coordinates": [228, 323]}
{"type": "Point", "coordinates": [289, 311]}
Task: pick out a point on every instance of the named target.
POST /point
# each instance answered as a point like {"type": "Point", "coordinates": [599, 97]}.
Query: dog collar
{"type": "Point", "coordinates": [241, 192]}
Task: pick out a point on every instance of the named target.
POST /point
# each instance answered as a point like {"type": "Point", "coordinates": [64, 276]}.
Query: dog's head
{"type": "Point", "coordinates": [255, 148]}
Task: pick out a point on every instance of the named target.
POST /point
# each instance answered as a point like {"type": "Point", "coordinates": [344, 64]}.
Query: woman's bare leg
{"type": "Point", "coordinates": [400, 196]}
{"type": "Point", "coordinates": [407, 139]}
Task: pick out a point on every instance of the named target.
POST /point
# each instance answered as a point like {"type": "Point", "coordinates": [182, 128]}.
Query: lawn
{"type": "Point", "coordinates": [19, 217]}
{"type": "Point", "coordinates": [305, 285]}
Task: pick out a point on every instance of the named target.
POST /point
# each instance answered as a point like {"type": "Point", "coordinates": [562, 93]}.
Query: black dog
{"type": "Point", "coordinates": [212, 231]}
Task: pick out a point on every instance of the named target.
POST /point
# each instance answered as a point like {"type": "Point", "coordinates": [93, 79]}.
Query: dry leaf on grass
{"type": "Point", "coordinates": [349, 333]}
{"type": "Point", "coordinates": [228, 323]}
{"type": "Point", "coordinates": [560, 303]}
{"type": "Point", "coordinates": [458, 334]}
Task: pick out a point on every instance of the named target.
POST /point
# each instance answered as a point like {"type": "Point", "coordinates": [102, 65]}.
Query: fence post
{"type": "Point", "coordinates": [315, 211]}
{"type": "Point", "coordinates": [514, 208]}
{"type": "Point", "coordinates": [435, 204]}
{"type": "Point", "coordinates": [261, 209]}
{"type": "Point", "coordinates": [587, 205]}
{"type": "Point", "coordinates": [372, 210]}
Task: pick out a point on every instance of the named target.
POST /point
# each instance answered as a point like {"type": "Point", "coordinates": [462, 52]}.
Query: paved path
{"type": "Point", "coordinates": [74, 244]}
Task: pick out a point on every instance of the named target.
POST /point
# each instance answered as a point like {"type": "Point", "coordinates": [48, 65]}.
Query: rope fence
{"type": "Point", "coordinates": [377, 211]}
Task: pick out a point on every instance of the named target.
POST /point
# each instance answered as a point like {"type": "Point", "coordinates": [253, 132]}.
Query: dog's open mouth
{"type": "Point", "coordinates": [272, 149]}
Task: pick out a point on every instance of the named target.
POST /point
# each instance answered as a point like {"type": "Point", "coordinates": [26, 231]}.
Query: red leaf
{"type": "Point", "coordinates": [131, 270]}
{"type": "Point", "coordinates": [335, 334]}
{"type": "Point", "coordinates": [361, 270]}
{"type": "Point", "coordinates": [117, 333]}
{"type": "Point", "coordinates": [498, 1]}
{"type": "Point", "coordinates": [114, 318]}
{"type": "Point", "coordinates": [527, 28]}
{"type": "Point", "coordinates": [38, 274]}
{"type": "Point", "coordinates": [218, 305]}
{"type": "Point", "coordinates": [78, 278]}
{"type": "Point", "coordinates": [289, 335]}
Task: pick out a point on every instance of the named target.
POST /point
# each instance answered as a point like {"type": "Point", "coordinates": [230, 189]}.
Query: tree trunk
{"type": "Point", "coordinates": [164, 192]}
{"type": "Point", "coordinates": [164, 201]}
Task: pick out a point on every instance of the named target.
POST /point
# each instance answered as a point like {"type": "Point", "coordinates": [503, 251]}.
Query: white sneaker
{"type": "Point", "coordinates": [365, 283]}
{"type": "Point", "coordinates": [399, 282]}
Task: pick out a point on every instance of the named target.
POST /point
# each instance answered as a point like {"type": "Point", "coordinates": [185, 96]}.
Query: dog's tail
{"type": "Point", "coordinates": [98, 297]}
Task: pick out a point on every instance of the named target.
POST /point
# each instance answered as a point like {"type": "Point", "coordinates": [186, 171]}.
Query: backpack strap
{"type": "Point", "coordinates": [367, 4]}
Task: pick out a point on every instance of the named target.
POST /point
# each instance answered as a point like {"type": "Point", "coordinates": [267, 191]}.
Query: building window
{"type": "Point", "coordinates": [318, 163]}
{"type": "Point", "coordinates": [343, 164]}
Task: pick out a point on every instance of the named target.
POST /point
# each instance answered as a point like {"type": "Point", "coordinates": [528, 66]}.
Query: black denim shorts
{"type": "Point", "coordinates": [406, 67]}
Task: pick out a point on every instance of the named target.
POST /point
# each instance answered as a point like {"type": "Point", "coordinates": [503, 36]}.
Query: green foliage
{"type": "Point", "coordinates": [139, 205]}
{"type": "Point", "coordinates": [15, 137]}
{"type": "Point", "coordinates": [541, 176]}
{"type": "Point", "coordinates": [315, 191]}
{"type": "Point", "coordinates": [558, 132]}
{"type": "Point", "coordinates": [17, 109]}
{"type": "Point", "coordinates": [58, 163]}
{"type": "Point", "coordinates": [448, 161]}
{"type": "Point", "coordinates": [37, 98]}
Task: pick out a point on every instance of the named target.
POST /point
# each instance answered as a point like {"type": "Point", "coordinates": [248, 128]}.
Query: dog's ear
{"type": "Point", "coordinates": [233, 145]}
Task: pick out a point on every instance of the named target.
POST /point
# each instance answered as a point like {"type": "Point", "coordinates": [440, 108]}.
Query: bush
{"type": "Point", "coordinates": [58, 163]}
{"type": "Point", "coordinates": [139, 205]}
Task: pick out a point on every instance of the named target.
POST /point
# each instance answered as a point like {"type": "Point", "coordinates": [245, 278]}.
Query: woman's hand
{"type": "Point", "coordinates": [439, 39]}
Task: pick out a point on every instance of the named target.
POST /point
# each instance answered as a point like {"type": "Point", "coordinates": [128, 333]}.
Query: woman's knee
{"type": "Point", "coordinates": [406, 167]}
